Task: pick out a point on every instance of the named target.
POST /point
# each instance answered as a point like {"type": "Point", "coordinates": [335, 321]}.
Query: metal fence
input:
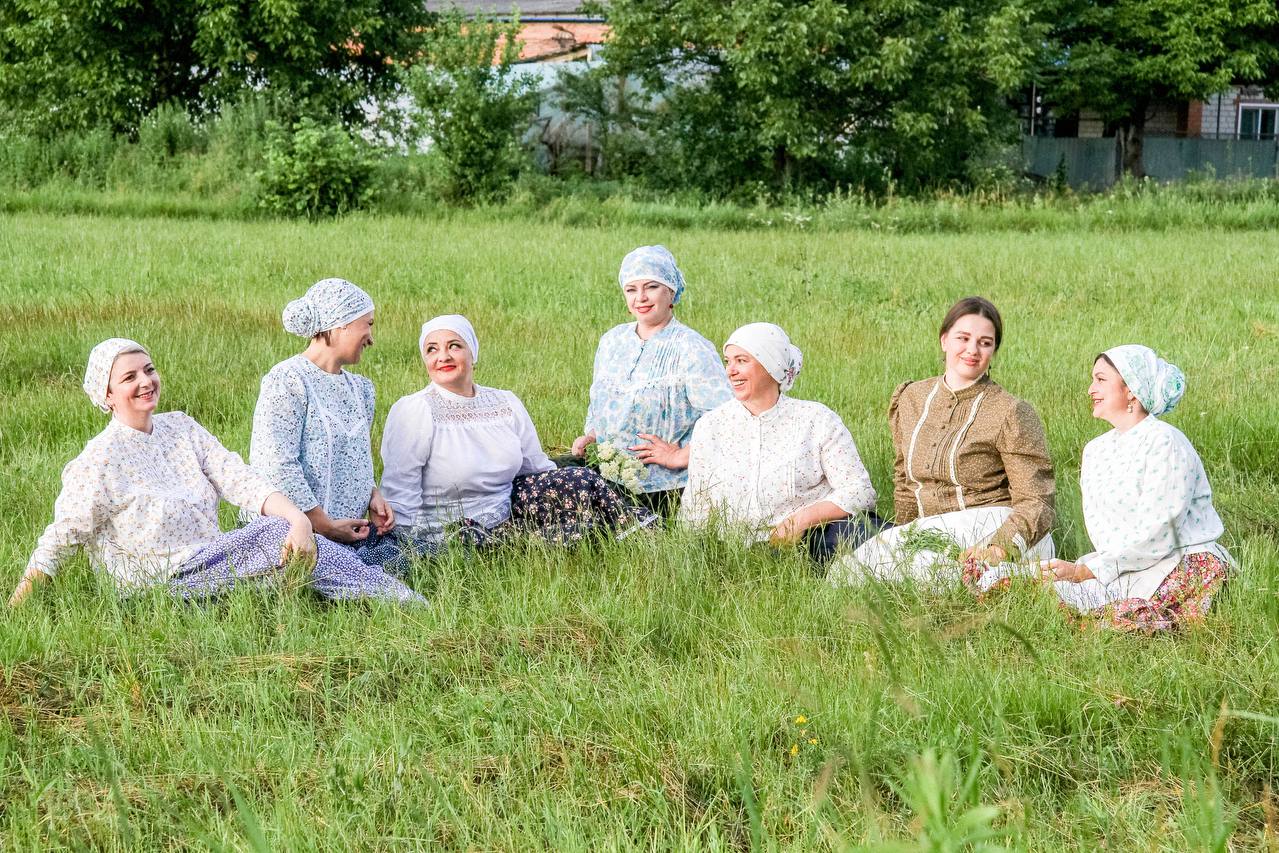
{"type": "Point", "coordinates": [1094, 163]}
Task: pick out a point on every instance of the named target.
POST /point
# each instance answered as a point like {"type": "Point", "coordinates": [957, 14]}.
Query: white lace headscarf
{"type": "Point", "coordinates": [97, 373]}
{"type": "Point", "coordinates": [454, 323]}
{"type": "Point", "coordinates": [326, 305]}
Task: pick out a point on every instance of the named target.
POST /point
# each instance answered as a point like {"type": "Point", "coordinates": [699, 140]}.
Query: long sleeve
{"type": "Point", "coordinates": [1151, 525]}
{"type": "Point", "coordinates": [277, 437]}
{"type": "Point", "coordinates": [235, 481]}
{"type": "Point", "coordinates": [905, 509]}
{"type": "Point", "coordinates": [535, 459]}
{"type": "Point", "coordinates": [1024, 452]}
{"type": "Point", "coordinates": [852, 490]}
{"type": "Point", "coordinates": [406, 449]}
{"type": "Point", "coordinates": [592, 408]}
{"type": "Point", "coordinates": [81, 508]}
{"type": "Point", "coordinates": [695, 507]}
{"type": "Point", "coordinates": [706, 383]}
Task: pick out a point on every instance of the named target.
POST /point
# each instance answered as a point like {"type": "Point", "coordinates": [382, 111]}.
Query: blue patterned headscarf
{"type": "Point", "coordinates": [652, 263]}
{"type": "Point", "coordinates": [329, 303]}
{"type": "Point", "coordinates": [1155, 383]}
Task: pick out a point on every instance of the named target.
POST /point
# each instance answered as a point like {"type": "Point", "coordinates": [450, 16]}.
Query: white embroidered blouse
{"type": "Point", "coordinates": [754, 471]}
{"type": "Point", "coordinates": [142, 504]}
{"type": "Point", "coordinates": [1147, 504]}
{"type": "Point", "coordinates": [311, 437]}
{"type": "Point", "coordinates": [446, 457]}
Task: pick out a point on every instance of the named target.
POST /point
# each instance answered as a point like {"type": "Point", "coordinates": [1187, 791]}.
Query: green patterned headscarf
{"type": "Point", "coordinates": [1155, 383]}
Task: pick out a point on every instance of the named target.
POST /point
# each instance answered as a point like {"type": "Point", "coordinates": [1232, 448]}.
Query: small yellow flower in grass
{"type": "Point", "coordinates": [812, 741]}
{"type": "Point", "coordinates": [800, 720]}
{"type": "Point", "coordinates": [794, 750]}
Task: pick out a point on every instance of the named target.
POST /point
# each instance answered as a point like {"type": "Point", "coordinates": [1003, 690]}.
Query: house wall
{"type": "Point", "coordinates": [1220, 116]}
{"type": "Point", "coordinates": [1163, 121]}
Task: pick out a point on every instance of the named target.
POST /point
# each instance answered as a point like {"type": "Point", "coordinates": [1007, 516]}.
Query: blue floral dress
{"type": "Point", "coordinates": [659, 386]}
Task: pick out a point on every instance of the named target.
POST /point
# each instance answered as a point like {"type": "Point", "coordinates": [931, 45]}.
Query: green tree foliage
{"type": "Point", "coordinates": [66, 65]}
{"type": "Point", "coordinates": [472, 104]}
{"type": "Point", "coordinates": [807, 94]}
{"type": "Point", "coordinates": [314, 170]}
{"type": "Point", "coordinates": [1120, 58]}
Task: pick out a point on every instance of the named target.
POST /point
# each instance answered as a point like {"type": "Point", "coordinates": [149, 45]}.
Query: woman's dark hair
{"type": "Point", "coordinates": [1105, 358]}
{"type": "Point", "coordinates": [326, 336]}
{"type": "Point", "coordinates": [974, 305]}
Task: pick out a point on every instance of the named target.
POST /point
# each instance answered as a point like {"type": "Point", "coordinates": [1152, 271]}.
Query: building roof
{"type": "Point", "coordinates": [528, 8]}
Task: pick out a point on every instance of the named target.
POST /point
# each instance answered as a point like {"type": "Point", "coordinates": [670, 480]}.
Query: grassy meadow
{"type": "Point", "coordinates": [662, 692]}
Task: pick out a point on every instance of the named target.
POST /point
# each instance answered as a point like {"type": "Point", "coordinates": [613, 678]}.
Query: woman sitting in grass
{"type": "Point", "coordinates": [460, 453]}
{"type": "Point", "coordinates": [142, 499]}
{"type": "Point", "coordinates": [772, 467]}
{"type": "Point", "coordinates": [313, 419]}
{"type": "Point", "coordinates": [1147, 505]}
{"type": "Point", "coordinates": [653, 379]}
{"type": "Point", "coordinates": [972, 481]}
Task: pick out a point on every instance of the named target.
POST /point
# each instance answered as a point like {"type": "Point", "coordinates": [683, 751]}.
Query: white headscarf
{"type": "Point", "coordinates": [97, 374]}
{"type": "Point", "coordinates": [326, 305]}
{"type": "Point", "coordinates": [1155, 383]}
{"type": "Point", "coordinates": [771, 347]}
{"type": "Point", "coordinates": [454, 323]}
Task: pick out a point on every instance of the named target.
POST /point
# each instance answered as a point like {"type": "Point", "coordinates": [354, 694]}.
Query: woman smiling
{"type": "Point", "coordinates": [653, 378]}
{"type": "Point", "coordinates": [142, 499]}
{"type": "Point", "coordinates": [770, 467]}
{"type": "Point", "coordinates": [458, 452]}
{"type": "Point", "coordinates": [971, 465]}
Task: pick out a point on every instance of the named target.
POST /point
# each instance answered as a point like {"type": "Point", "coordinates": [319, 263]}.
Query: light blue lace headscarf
{"type": "Point", "coordinates": [1155, 383]}
{"type": "Point", "coordinates": [329, 303]}
{"type": "Point", "coordinates": [652, 263]}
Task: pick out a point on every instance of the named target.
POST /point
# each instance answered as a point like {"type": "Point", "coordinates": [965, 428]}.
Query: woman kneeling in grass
{"type": "Point", "coordinates": [1147, 505]}
{"type": "Point", "coordinates": [653, 379]}
{"type": "Point", "coordinates": [973, 483]}
{"type": "Point", "coordinates": [460, 453]}
{"type": "Point", "coordinates": [773, 467]}
{"type": "Point", "coordinates": [142, 499]}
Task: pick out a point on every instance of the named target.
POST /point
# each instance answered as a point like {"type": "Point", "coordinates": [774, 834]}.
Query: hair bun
{"type": "Point", "coordinates": [300, 318]}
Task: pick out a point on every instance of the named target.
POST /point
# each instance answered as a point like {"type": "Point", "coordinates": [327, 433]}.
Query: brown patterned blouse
{"type": "Point", "coordinates": [980, 446]}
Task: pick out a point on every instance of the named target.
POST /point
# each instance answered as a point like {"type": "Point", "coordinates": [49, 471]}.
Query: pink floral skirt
{"type": "Point", "coordinates": [1182, 599]}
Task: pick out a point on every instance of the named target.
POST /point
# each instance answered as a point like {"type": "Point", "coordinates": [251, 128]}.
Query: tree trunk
{"type": "Point", "coordinates": [1130, 138]}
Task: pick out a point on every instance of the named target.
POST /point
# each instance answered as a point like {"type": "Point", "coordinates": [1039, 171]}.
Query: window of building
{"type": "Point", "coordinates": [1257, 122]}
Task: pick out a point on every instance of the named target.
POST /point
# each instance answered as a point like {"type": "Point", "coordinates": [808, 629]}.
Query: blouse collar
{"type": "Point", "coordinates": [981, 386]}
{"type": "Point", "coordinates": [669, 327]}
{"type": "Point", "coordinates": [766, 416]}
{"type": "Point", "coordinates": [449, 395]}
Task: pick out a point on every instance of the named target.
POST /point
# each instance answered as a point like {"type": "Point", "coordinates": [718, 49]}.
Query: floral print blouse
{"type": "Point", "coordinates": [311, 437]}
{"type": "Point", "coordinates": [1147, 504]}
{"type": "Point", "coordinates": [142, 504]}
{"type": "Point", "coordinates": [659, 386]}
{"type": "Point", "coordinates": [752, 471]}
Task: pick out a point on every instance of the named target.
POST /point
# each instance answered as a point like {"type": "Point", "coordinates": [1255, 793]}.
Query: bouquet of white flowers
{"type": "Point", "coordinates": [616, 465]}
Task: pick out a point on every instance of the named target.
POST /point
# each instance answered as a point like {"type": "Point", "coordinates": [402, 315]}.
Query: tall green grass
{"type": "Point", "coordinates": [646, 693]}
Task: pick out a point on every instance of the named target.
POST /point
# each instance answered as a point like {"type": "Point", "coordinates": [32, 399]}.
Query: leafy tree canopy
{"type": "Point", "coordinates": [73, 64]}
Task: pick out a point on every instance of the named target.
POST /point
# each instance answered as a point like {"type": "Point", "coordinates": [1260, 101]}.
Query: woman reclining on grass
{"type": "Point", "coordinates": [1147, 505]}
{"type": "Point", "coordinates": [773, 467]}
{"type": "Point", "coordinates": [142, 499]}
{"type": "Point", "coordinates": [971, 466]}
{"type": "Point", "coordinates": [460, 453]}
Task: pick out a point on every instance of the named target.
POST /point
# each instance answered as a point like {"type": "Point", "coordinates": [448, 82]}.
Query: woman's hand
{"type": "Point", "coordinates": [788, 532]}
{"type": "Point", "coordinates": [991, 555]}
{"type": "Point", "coordinates": [380, 512]}
{"type": "Point", "coordinates": [1060, 570]}
{"type": "Point", "coordinates": [581, 443]}
{"type": "Point", "coordinates": [347, 530]}
{"type": "Point", "coordinates": [29, 579]}
{"type": "Point", "coordinates": [300, 542]}
{"type": "Point", "coordinates": [660, 452]}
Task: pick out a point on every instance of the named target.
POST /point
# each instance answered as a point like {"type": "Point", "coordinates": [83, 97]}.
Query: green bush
{"type": "Point", "coordinates": [313, 170]}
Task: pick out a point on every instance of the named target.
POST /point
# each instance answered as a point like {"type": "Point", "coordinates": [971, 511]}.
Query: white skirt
{"type": "Point", "coordinates": [920, 550]}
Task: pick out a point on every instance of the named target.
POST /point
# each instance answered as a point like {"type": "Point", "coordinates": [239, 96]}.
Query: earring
{"type": "Point", "coordinates": [1130, 407]}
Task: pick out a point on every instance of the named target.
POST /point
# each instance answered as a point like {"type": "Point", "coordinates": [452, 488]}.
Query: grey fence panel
{"type": "Point", "coordinates": [1092, 163]}
{"type": "Point", "coordinates": [1087, 162]}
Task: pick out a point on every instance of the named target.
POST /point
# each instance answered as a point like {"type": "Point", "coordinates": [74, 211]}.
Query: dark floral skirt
{"type": "Point", "coordinates": [567, 505]}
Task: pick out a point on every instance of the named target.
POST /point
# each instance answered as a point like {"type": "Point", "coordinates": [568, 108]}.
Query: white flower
{"type": "Point", "coordinates": [609, 470]}
{"type": "Point", "coordinates": [607, 451]}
